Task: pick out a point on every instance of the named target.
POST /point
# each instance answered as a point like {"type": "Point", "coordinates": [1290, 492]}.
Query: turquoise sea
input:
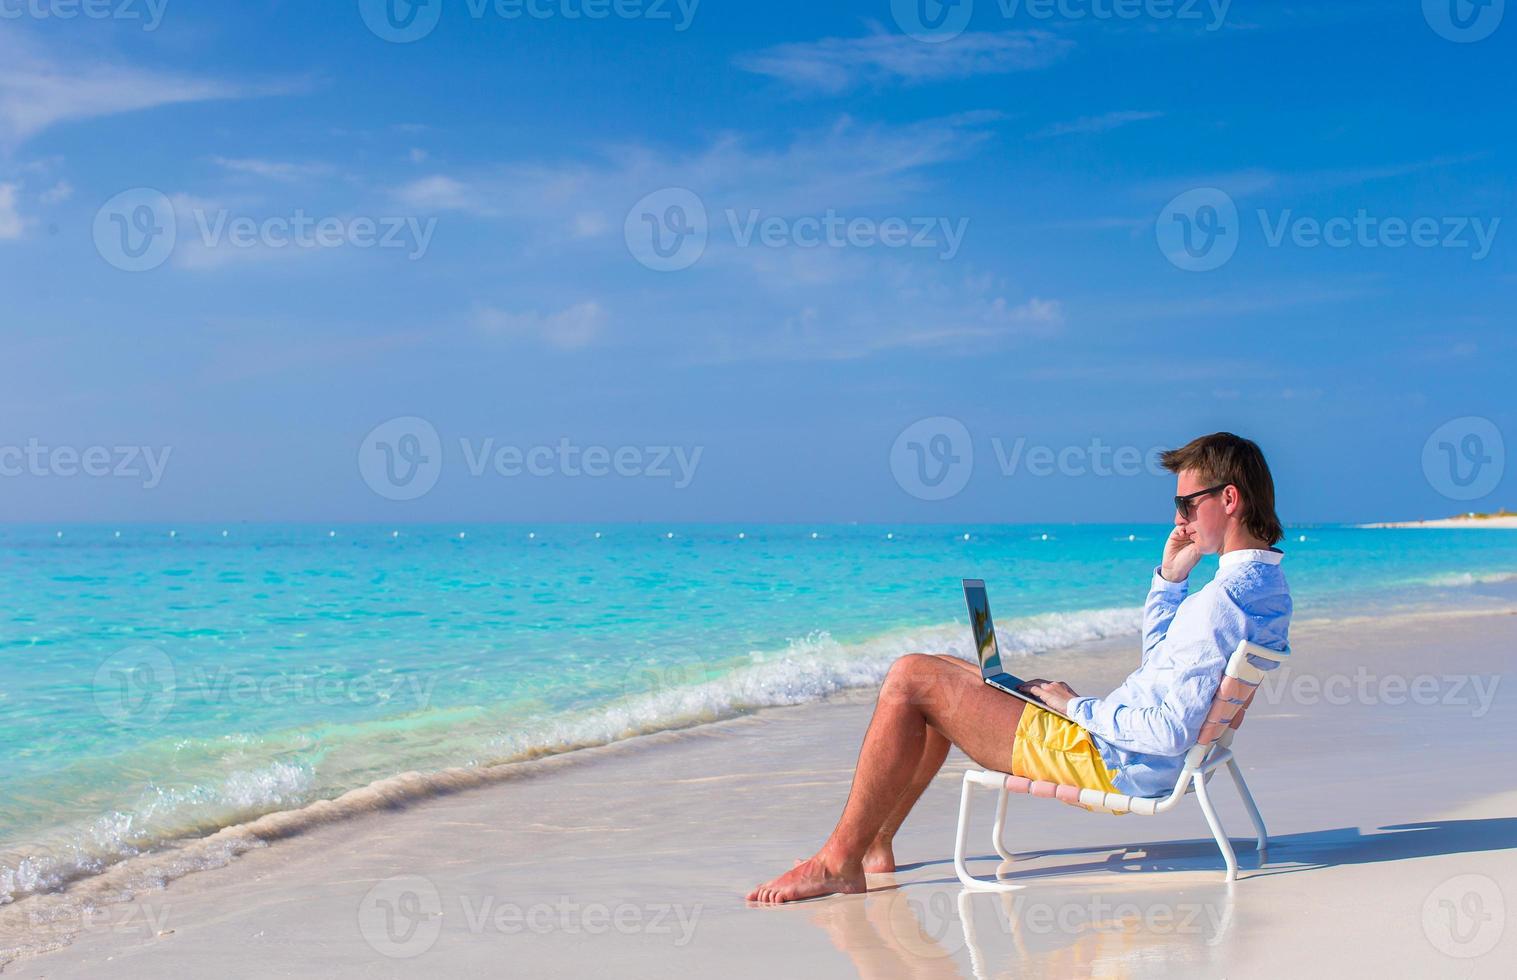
{"type": "Point", "coordinates": [161, 683]}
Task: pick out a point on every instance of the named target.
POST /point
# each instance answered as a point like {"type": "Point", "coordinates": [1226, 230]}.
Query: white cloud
{"type": "Point", "coordinates": [573, 328]}
{"type": "Point", "coordinates": [859, 304]}
{"type": "Point", "coordinates": [38, 90]}
{"type": "Point", "coordinates": [442, 193]}
{"type": "Point", "coordinates": [1096, 124]}
{"type": "Point", "coordinates": [975, 325]}
{"type": "Point", "coordinates": [10, 220]}
{"type": "Point", "coordinates": [845, 165]}
{"type": "Point", "coordinates": [589, 224]}
{"type": "Point", "coordinates": [835, 65]}
{"type": "Point", "coordinates": [799, 303]}
{"type": "Point", "coordinates": [1258, 181]}
{"type": "Point", "coordinates": [58, 193]}
{"type": "Point", "coordinates": [273, 169]}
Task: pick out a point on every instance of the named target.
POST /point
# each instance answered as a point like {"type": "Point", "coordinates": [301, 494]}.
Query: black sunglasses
{"type": "Point", "coordinates": [1187, 504]}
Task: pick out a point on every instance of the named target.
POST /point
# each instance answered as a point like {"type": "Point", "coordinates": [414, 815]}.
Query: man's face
{"type": "Point", "coordinates": [1207, 523]}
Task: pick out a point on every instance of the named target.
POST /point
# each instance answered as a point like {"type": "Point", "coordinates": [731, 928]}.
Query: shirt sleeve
{"type": "Point", "coordinates": [1164, 597]}
{"type": "Point", "coordinates": [1194, 656]}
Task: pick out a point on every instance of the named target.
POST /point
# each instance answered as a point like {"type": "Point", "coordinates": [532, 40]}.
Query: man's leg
{"type": "Point", "coordinates": [921, 692]}
{"type": "Point", "coordinates": [881, 854]}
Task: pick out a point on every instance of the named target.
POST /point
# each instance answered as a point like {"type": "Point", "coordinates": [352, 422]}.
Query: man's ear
{"type": "Point", "coordinates": [1232, 501]}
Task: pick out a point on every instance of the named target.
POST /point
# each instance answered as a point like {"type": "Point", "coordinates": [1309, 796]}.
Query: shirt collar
{"type": "Point", "coordinates": [1269, 556]}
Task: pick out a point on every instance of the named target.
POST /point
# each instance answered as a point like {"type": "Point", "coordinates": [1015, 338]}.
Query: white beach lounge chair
{"type": "Point", "coordinates": [1213, 748]}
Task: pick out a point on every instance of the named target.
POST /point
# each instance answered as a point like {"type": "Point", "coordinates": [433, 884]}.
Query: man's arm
{"type": "Point", "coordinates": [1195, 654]}
{"type": "Point", "coordinates": [1164, 598]}
{"type": "Point", "coordinates": [1170, 585]}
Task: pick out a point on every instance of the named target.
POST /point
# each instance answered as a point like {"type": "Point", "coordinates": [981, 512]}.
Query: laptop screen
{"type": "Point", "coordinates": [984, 629]}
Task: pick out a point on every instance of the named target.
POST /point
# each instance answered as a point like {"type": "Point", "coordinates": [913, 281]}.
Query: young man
{"type": "Point", "coordinates": [1131, 741]}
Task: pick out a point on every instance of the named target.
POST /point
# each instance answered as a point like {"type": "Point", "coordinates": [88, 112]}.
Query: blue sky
{"type": "Point", "coordinates": [1014, 192]}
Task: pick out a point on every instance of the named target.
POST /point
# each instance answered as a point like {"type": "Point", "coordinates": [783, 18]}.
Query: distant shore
{"type": "Point", "coordinates": [1501, 519]}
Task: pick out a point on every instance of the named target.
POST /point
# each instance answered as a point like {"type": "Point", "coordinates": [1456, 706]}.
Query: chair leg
{"type": "Point", "coordinates": [1216, 827]}
{"type": "Point", "coordinates": [998, 833]}
{"type": "Point", "coordinates": [963, 832]}
{"type": "Point", "coordinates": [961, 838]}
{"type": "Point", "coordinates": [1252, 808]}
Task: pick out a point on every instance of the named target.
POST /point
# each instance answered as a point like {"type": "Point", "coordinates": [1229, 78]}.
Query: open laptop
{"type": "Point", "coordinates": [985, 644]}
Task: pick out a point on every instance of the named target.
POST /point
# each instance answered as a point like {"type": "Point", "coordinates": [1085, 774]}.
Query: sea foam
{"type": "Point", "coordinates": [174, 832]}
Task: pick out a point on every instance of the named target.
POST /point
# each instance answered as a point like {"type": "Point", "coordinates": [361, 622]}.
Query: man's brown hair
{"type": "Point", "coordinates": [1223, 458]}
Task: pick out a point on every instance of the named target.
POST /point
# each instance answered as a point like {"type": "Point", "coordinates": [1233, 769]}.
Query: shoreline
{"type": "Point", "coordinates": [752, 689]}
{"type": "Point", "coordinates": [388, 806]}
{"type": "Point", "coordinates": [1505, 522]}
{"type": "Point", "coordinates": [167, 859]}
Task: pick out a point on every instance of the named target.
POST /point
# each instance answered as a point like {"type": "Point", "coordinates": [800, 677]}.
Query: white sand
{"type": "Point", "coordinates": [1394, 818]}
{"type": "Point", "coordinates": [1505, 523]}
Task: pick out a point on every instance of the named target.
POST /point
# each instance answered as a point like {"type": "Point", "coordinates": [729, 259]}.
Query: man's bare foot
{"type": "Point", "coordinates": [808, 879]}
{"type": "Point", "coordinates": [880, 858]}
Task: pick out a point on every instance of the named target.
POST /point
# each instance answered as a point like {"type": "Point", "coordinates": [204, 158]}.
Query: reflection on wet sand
{"type": "Point", "coordinates": [1072, 932]}
{"type": "Point", "coordinates": [890, 932]}
{"type": "Point", "coordinates": [929, 932]}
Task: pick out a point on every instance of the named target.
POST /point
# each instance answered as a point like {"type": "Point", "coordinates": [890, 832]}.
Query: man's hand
{"type": "Point", "coordinates": [1055, 694]}
{"type": "Point", "coordinates": [1181, 553]}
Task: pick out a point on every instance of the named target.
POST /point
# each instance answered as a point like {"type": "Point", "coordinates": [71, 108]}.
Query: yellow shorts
{"type": "Point", "coordinates": [1053, 748]}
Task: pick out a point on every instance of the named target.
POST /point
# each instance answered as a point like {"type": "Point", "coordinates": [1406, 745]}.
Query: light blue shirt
{"type": "Point", "coordinates": [1144, 728]}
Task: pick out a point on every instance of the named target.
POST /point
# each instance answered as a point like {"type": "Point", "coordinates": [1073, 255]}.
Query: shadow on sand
{"type": "Point", "coordinates": [1288, 853]}
{"type": "Point", "coordinates": [896, 931]}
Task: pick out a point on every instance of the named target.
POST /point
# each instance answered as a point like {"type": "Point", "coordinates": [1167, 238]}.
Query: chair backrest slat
{"type": "Point", "coordinates": [1240, 682]}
